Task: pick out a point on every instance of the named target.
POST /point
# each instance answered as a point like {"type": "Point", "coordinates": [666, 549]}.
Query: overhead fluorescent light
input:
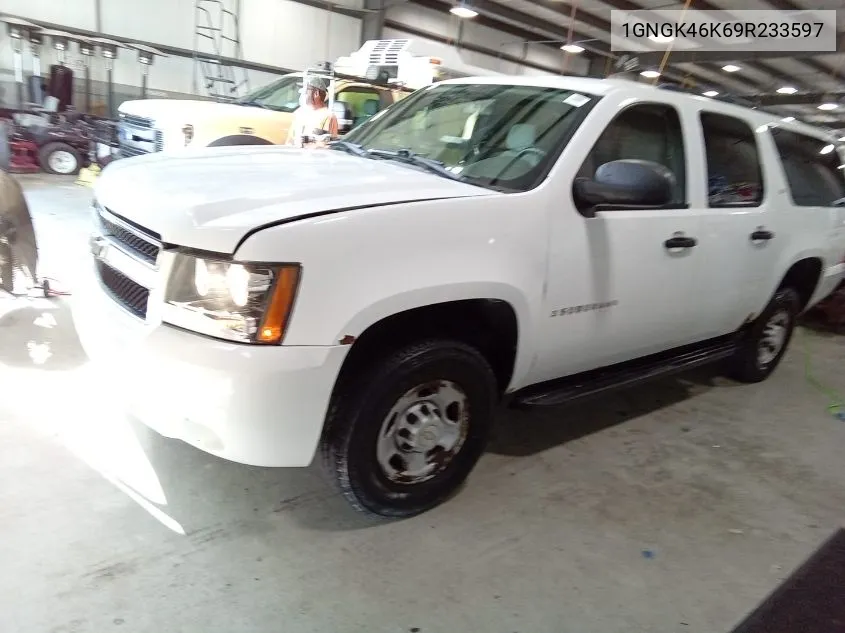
{"type": "Point", "coordinates": [710, 93]}
{"type": "Point", "coordinates": [730, 68]}
{"type": "Point", "coordinates": [463, 11]}
{"type": "Point", "coordinates": [827, 149]}
{"type": "Point", "coordinates": [650, 74]}
{"type": "Point", "coordinates": [828, 106]}
{"type": "Point", "coordinates": [841, 139]}
{"type": "Point", "coordinates": [572, 48]}
{"type": "Point", "coordinates": [788, 119]}
{"type": "Point", "coordinates": [661, 39]}
{"type": "Point", "coordinates": [787, 90]}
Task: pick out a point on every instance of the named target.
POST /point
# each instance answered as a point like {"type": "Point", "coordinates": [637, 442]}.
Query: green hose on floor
{"type": "Point", "coordinates": [836, 404]}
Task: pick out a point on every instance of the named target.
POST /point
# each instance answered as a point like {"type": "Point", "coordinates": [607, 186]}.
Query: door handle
{"type": "Point", "coordinates": [762, 235]}
{"type": "Point", "coordinates": [680, 242]}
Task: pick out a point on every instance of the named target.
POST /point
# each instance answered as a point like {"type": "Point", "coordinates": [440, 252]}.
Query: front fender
{"type": "Point", "coordinates": [362, 266]}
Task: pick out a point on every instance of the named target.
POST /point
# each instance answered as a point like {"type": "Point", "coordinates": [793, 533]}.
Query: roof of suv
{"type": "Point", "coordinates": [604, 87]}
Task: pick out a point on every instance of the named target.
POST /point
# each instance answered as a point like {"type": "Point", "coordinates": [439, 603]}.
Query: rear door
{"type": "Point", "coordinates": [744, 222]}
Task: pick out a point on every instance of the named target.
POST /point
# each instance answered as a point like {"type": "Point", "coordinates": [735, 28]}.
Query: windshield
{"type": "Point", "coordinates": [282, 95]}
{"type": "Point", "coordinates": [495, 136]}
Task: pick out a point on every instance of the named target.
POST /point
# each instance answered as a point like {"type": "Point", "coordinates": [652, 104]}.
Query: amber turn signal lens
{"type": "Point", "coordinates": [272, 328]}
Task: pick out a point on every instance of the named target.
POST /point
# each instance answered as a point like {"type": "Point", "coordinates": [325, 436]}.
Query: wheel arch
{"type": "Point", "coordinates": [803, 276]}
{"type": "Point", "coordinates": [494, 322]}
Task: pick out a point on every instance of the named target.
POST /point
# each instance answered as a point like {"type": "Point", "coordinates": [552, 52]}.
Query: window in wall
{"type": "Point", "coordinates": [643, 132]}
{"type": "Point", "coordinates": [734, 176]}
{"type": "Point", "coordinates": [812, 169]}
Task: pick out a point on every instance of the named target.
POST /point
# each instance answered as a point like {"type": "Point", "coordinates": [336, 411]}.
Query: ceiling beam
{"type": "Point", "coordinates": [489, 9]}
{"type": "Point", "coordinates": [726, 56]}
{"type": "Point", "coordinates": [802, 98]}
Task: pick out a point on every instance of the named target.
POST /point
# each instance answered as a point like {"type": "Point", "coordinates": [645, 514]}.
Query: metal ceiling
{"type": "Point", "coordinates": [587, 22]}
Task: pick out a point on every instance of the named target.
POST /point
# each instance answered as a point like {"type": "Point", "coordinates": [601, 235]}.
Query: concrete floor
{"type": "Point", "coordinates": [675, 507]}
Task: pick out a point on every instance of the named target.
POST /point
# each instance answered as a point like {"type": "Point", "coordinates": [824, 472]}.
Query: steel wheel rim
{"type": "Point", "coordinates": [62, 162]}
{"type": "Point", "coordinates": [774, 338]}
{"type": "Point", "coordinates": [423, 432]}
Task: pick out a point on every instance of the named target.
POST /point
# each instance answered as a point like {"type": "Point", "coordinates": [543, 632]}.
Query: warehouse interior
{"type": "Point", "coordinates": [685, 504]}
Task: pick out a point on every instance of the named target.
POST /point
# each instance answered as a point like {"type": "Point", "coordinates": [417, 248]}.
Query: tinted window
{"type": "Point", "coordinates": [734, 176]}
{"type": "Point", "coordinates": [645, 132]}
{"type": "Point", "coordinates": [812, 169]}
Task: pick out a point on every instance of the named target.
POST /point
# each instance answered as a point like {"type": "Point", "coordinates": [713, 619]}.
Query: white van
{"type": "Point", "coordinates": [533, 240]}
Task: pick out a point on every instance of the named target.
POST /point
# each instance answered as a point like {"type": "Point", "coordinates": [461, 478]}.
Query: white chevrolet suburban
{"type": "Point", "coordinates": [532, 240]}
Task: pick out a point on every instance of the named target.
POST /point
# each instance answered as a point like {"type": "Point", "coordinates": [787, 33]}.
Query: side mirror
{"type": "Point", "coordinates": [345, 120]}
{"type": "Point", "coordinates": [624, 184]}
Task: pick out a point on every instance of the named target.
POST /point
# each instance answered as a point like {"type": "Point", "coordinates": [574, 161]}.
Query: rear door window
{"type": "Point", "coordinates": [813, 169]}
{"type": "Point", "coordinates": [734, 174]}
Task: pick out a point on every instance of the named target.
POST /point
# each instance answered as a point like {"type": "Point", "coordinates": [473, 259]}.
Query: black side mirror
{"type": "Point", "coordinates": [345, 120]}
{"type": "Point", "coordinates": [624, 184]}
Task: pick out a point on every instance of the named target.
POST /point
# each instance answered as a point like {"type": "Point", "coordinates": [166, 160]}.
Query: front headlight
{"type": "Point", "coordinates": [243, 302]}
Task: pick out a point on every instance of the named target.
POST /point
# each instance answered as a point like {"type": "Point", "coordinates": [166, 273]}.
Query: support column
{"type": "Point", "coordinates": [597, 67]}
{"type": "Point", "coordinates": [372, 26]}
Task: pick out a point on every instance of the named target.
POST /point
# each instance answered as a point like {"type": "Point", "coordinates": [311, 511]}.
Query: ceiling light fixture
{"type": "Point", "coordinates": [650, 74]}
{"type": "Point", "coordinates": [827, 149]}
{"type": "Point", "coordinates": [463, 11]}
{"type": "Point", "coordinates": [787, 90]}
{"type": "Point", "coordinates": [841, 139]}
{"type": "Point", "coordinates": [572, 48]}
{"type": "Point", "coordinates": [828, 105]}
{"type": "Point", "coordinates": [661, 39]}
{"type": "Point", "coordinates": [731, 68]}
{"type": "Point", "coordinates": [788, 119]}
{"type": "Point", "coordinates": [710, 93]}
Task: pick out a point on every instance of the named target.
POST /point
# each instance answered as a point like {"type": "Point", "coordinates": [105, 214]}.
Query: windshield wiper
{"type": "Point", "coordinates": [410, 158]}
{"type": "Point", "coordinates": [350, 147]}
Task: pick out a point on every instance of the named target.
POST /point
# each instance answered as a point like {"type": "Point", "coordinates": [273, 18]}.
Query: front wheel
{"type": "Point", "coordinates": [60, 159]}
{"type": "Point", "coordinates": [765, 343]}
{"type": "Point", "coordinates": [401, 437]}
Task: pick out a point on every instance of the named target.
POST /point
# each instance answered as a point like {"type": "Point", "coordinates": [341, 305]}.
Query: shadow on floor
{"type": "Point", "coordinates": [524, 432]}
{"type": "Point", "coordinates": [39, 334]}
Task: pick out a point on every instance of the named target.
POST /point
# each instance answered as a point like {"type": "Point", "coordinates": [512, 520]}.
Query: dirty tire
{"type": "Point", "coordinates": [745, 366]}
{"type": "Point", "coordinates": [7, 269]}
{"type": "Point", "coordinates": [362, 402]}
{"type": "Point", "coordinates": [49, 149]}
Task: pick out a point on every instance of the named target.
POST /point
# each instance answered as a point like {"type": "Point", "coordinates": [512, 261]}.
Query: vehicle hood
{"type": "Point", "coordinates": [211, 198]}
{"type": "Point", "coordinates": [166, 112]}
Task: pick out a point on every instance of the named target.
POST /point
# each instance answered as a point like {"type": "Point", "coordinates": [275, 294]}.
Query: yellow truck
{"type": "Point", "coordinates": [362, 84]}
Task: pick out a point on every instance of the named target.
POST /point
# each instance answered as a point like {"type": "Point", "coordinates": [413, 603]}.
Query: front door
{"type": "Point", "coordinates": [620, 285]}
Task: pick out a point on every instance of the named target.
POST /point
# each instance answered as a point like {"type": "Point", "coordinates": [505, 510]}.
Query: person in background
{"type": "Point", "coordinates": [313, 116]}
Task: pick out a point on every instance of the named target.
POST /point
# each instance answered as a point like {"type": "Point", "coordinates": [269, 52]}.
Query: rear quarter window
{"type": "Point", "coordinates": [812, 167]}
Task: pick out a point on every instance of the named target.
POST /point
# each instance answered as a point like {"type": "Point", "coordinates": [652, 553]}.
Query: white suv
{"type": "Point", "coordinates": [528, 239]}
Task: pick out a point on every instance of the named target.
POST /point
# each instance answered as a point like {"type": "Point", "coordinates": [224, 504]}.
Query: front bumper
{"type": "Point", "coordinates": [258, 405]}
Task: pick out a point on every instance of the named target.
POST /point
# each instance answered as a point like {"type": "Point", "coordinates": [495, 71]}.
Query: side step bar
{"type": "Point", "coordinates": [596, 382]}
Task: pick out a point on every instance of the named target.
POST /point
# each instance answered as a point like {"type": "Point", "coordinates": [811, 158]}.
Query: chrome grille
{"type": "Point", "coordinates": [129, 152]}
{"type": "Point", "coordinates": [139, 242]}
{"type": "Point", "coordinates": [159, 143]}
{"type": "Point", "coordinates": [137, 121]}
{"type": "Point", "coordinates": [132, 296]}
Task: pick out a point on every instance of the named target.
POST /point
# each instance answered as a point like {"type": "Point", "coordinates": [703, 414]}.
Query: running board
{"type": "Point", "coordinates": [598, 381]}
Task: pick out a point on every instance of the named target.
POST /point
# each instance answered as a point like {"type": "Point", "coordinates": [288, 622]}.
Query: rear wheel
{"type": "Point", "coordinates": [403, 435]}
{"type": "Point", "coordinates": [765, 343]}
{"type": "Point", "coordinates": [60, 159]}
